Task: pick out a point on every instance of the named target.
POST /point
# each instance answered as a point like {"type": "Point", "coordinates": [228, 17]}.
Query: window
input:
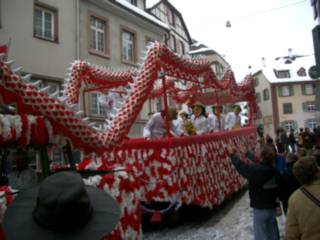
{"type": "Point", "coordinates": [302, 72]}
{"type": "Point", "coordinates": [99, 43]}
{"type": "Point", "coordinates": [45, 22]}
{"type": "Point", "coordinates": [128, 46]}
{"type": "Point", "coordinates": [55, 86]}
{"type": "Point", "coordinates": [256, 81]}
{"type": "Point", "coordinates": [287, 108]}
{"type": "Point", "coordinates": [182, 49]}
{"type": "Point", "coordinates": [171, 16]}
{"type": "Point", "coordinates": [288, 125]}
{"type": "Point", "coordinates": [266, 95]}
{"type": "Point", "coordinates": [283, 74]}
{"type": "Point", "coordinates": [95, 107]}
{"type": "Point", "coordinates": [309, 106]}
{"type": "Point", "coordinates": [133, 2]}
{"type": "Point", "coordinates": [311, 123]}
{"type": "Point", "coordinates": [285, 91]}
{"type": "Point", "coordinates": [172, 43]}
{"type": "Point", "coordinates": [258, 97]}
{"type": "Point", "coordinates": [158, 104]}
{"type": "Point", "coordinates": [308, 89]}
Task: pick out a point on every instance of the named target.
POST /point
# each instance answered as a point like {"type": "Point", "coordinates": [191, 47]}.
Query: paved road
{"type": "Point", "coordinates": [232, 220]}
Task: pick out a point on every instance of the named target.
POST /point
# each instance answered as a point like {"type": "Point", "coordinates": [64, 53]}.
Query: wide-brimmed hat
{"type": "Point", "coordinates": [198, 103]}
{"type": "Point", "coordinates": [62, 207]}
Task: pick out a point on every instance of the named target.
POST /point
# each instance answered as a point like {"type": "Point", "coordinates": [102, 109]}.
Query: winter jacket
{"type": "Point", "coordinates": [303, 216]}
{"type": "Point", "coordinates": [264, 183]}
{"type": "Point", "coordinates": [290, 184]}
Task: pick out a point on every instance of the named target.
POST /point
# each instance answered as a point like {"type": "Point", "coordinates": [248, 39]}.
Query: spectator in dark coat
{"type": "Point", "coordinates": [292, 140]}
{"type": "Point", "coordinates": [290, 183]}
{"type": "Point", "coordinates": [308, 139]}
{"type": "Point", "coordinates": [264, 183]}
{"type": "Point", "coordinates": [282, 147]}
{"type": "Point", "coordinates": [317, 135]}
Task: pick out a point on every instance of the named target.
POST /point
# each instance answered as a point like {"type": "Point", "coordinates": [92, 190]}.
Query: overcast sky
{"type": "Point", "coordinates": [258, 29]}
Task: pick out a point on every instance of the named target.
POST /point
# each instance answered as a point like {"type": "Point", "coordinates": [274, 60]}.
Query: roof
{"type": "Point", "coordinates": [298, 62]}
{"type": "Point", "coordinates": [156, 3]}
{"type": "Point", "coordinates": [199, 48]}
{"type": "Point", "coordinates": [140, 13]}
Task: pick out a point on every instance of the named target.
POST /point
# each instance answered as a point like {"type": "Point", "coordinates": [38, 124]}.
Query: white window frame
{"type": "Point", "coordinates": [312, 123]}
{"type": "Point", "coordinates": [98, 110]}
{"type": "Point", "coordinates": [285, 91]}
{"type": "Point", "coordinates": [94, 43]}
{"type": "Point", "coordinates": [173, 43]}
{"type": "Point", "coordinates": [310, 107]}
{"type": "Point", "coordinates": [44, 11]}
{"type": "Point", "coordinates": [126, 44]}
{"type": "Point", "coordinates": [308, 88]}
{"type": "Point", "coordinates": [289, 125]}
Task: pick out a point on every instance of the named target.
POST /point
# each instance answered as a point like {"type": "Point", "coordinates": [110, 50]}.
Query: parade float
{"type": "Point", "coordinates": [191, 170]}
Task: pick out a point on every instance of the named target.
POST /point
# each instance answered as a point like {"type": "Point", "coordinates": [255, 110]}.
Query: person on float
{"type": "Point", "coordinates": [155, 128]}
{"type": "Point", "coordinates": [216, 119]}
{"type": "Point", "coordinates": [199, 119]}
{"type": "Point", "coordinates": [233, 119]}
{"type": "Point", "coordinates": [184, 125]}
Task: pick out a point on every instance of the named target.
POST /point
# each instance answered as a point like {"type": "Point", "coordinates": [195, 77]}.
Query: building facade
{"type": "Point", "coordinates": [285, 94]}
{"type": "Point", "coordinates": [178, 38]}
{"type": "Point", "coordinates": [47, 35]}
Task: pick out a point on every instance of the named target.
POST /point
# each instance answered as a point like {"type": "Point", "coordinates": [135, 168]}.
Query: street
{"type": "Point", "coordinates": [232, 220]}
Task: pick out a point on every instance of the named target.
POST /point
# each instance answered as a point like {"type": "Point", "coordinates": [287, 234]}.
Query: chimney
{"type": "Point", "coordinates": [290, 52]}
{"type": "Point", "coordinates": [263, 60]}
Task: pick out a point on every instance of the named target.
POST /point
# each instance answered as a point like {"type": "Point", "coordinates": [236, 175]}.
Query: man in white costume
{"type": "Point", "coordinates": [155, 128]}
{"type": "Point", "coordinates": [233, 119]}
{"type": "Point", "coordinates": [216, 119]}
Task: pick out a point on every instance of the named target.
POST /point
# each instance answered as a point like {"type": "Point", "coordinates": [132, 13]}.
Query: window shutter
{"type": "Point", "coordinates": [295, 125]}
{"type": "Point", "coordinates": [291, 90]}
{"type": "Point", "coordinates": [280, 91]}
{"type": "Point", "coordinates": [306, 123]}
{"type": "Point", "coordinates": [283, 124]}
{"type": "Point", "coordinates": [303, 89]}
{"type": "Point", "coordinates": [304, 106]}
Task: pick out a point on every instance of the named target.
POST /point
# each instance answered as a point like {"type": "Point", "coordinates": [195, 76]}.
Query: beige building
{"type": "Point", "coordinates": [47, 35]}
{"type": "Point", "coordinates": [285, 93]}
{"type": "Point", "coordinates": [38, 41]}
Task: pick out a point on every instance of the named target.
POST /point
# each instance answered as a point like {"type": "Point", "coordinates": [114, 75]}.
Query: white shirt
{"type": "Point", "coordinates": [232, 120]}
{"type": "Point", "coordinates": [213, 123]}
{"type": "Point", "coordinates": [200, 124]}
{"type": "Point", "coordinates": [155, 127]}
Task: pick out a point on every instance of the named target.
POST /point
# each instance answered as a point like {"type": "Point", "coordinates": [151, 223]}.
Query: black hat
{"type": "Point", "coordinates": [62, 207]}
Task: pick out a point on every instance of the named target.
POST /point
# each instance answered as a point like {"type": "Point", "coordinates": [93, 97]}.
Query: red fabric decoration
{"type": "Point", "coordinates": [156, 217]}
